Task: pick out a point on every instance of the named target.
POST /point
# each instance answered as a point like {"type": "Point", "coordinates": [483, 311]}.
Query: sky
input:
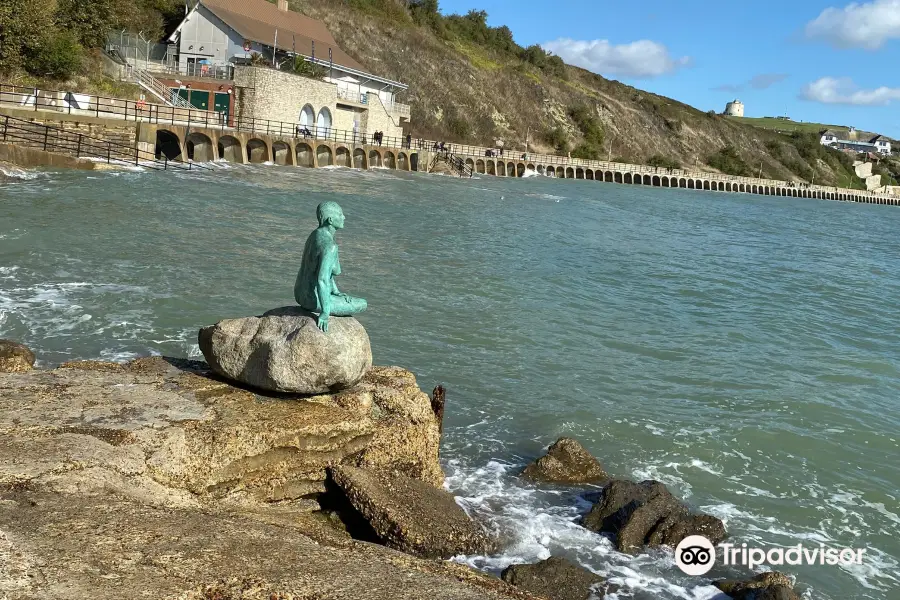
{"type": "Point", "coordinates": [824, 61]}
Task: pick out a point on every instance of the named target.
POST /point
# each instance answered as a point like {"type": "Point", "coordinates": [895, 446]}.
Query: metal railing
{"type": "Point", "coordinates": [158, 88]}
{"type": "Point", "coordinates": [60, 141]}
{"type": "Point", "coordinates": [190, 117]}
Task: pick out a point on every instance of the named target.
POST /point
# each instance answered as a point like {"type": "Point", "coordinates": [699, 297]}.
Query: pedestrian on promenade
{"type": "Point", "coordinates": [409, 141]}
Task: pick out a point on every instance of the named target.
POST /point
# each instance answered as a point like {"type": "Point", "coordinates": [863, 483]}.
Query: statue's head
{"type": "Point", "coordinates": [330, 213]}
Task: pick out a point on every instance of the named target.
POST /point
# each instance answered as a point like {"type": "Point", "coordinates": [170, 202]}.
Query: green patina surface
{"type": "Point", "coordinates": [315, 289]}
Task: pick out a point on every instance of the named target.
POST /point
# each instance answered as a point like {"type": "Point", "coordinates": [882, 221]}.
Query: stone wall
{"type": "Point", "coordinates": [278, 96]}
{"type": "Point", "coordinates": [267, 94]}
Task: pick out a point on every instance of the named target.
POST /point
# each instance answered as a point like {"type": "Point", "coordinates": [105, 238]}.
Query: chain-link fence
{"type": "Point", "coordinates": [134, 49]}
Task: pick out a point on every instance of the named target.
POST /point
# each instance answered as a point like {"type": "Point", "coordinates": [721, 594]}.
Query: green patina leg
{"type": "Point", "coordinates": [315, 289]}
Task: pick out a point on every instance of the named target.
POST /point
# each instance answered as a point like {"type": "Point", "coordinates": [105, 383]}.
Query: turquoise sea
{"type": "Point", "coordinates": [744, 350]}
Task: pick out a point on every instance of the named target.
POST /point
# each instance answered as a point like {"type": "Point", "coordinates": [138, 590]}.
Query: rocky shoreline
{"type": "Point", "coordinates": [161, 477]}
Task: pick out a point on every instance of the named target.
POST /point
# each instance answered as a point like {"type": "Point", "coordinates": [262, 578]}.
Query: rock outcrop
{"type": "Point", "coordinates": [771, 585]}
{"type": "Point", "coordinates": [183, 486]}
{"type": "Point", "coordinates": [160, 432]}
{"type": "Point", "coordinates": [557, 579]}
{"type": "Point", "coordinates": [409, 515]}
{"type": "Point", "coordinates": [284, 351]}
{"type": "Point", "coordinates": [646, 513]}
{"type": "Point", "coordinates": [15, 358]}
{"type": "Point", "coordinates": [566, 462]}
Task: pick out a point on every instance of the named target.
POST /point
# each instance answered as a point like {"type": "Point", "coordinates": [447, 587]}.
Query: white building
{"type": "Point", "coordinates": [878, 144]}
{"type": "Point", "coordinates": [225, 33]}
{"type": "Point", "coordinates": [735, 108]}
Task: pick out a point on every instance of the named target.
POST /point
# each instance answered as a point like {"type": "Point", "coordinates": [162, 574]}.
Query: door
{"type": "Point", "coordinates": [200, 99]}
{"type": "Point", "coordinates": [223, 104]}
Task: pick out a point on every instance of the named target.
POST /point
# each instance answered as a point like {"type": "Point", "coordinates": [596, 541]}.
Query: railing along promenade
{"type": "Point", "coordinates": [59, 141]}
{"type": "Point", "coordinates": [131, 110]}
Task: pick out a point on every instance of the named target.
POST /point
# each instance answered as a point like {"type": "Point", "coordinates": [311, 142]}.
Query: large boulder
{"type": "Point", "coordinates": [566, 462]}
{"type": "Point", "coordinates": [646, 513]}
{"type": "Point", "coordinates": [771, 585]}
{"type": "Point", "coordinates": [555, 578]}
{"type": "Point", "coordinates": [15, 358]}
{"type": "Point", "coordinates": [409, 515]}
{"type": "Point", "coordinates": [284, 351]}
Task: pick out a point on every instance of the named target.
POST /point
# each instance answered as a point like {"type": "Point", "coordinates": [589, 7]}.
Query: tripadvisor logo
{"type": "Point", "coordinates": [696, 555]}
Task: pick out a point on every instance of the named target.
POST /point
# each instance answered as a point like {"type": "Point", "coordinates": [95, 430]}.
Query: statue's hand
{"type": "Point", "coordinates": [323, 323]}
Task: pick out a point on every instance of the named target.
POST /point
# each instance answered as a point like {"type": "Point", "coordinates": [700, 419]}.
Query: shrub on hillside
{"type": "Point", "coordinates": [727, 160]}
{"type": "Point", "coordinates": [59, 57]}
{"type": "Point", "coordinates": [658, 160]}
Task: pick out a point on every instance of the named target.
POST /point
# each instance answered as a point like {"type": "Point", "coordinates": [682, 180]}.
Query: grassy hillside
{"type": "Point", "coordinates": [783, 126]}
{"type": "Point", "coordinates": [472, 82]}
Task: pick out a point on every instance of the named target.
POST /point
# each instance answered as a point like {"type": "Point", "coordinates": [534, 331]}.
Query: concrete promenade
{"type": "Point", "coordinates": [201, 144]}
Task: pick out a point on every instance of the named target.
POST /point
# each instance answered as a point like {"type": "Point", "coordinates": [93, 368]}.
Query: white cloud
{"type": "Point", "coordinates": [830, 90]}
{"type": "Point", "coordinates": [867, 25]}
{"type": "Point", "coordinates": [640, 59]}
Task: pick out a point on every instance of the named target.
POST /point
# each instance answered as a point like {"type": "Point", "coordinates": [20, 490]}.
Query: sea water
{"type": "Point", "coordinates": [742, 349]}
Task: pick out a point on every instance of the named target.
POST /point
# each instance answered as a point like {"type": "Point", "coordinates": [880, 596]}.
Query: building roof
{"type": "Point", "coordinates": [879, 138]}
{"type": "Point", "coordinates": [257, 21]}
{"type": "Point", "coordinates": [830, 132]}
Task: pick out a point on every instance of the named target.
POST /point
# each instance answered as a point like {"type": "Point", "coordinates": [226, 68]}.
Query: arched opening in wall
{"type": "Point", "coordinates": [589, 174]}
{"type": "Point", "coordinates": [741, 187]}
{"type": "Point", "coordinates": [402, 161]}
{"type": "Point", "coordinates": [341, 157]}
{"type": "Point", "coordinates": [374, 159]}
{"type": "Point", "coordinates": [359, 159]}
{"type": "Point", "coordinates": [531, 167]}
{"type": "Point", "coordinates": [305, 156]}
{"type": "Point", "coordinates": [230, 149]}
{"type": "Point", "coordinates": [520, 170]}
{"type": "Point", "coordinates": [281, 154]}
{"type": "Point", "coordinates": [752, 189]}
{"type": "Point", "coordinates": [618, 177]}
{"type": "Point", "coordinates": [491, 169]}
{"type": "Point", "coordinates": [608, 176]}
{"type": "Point", "coordinates": [414, 161]}
{"type": "Point", "coordinates": [628, 179]}
{"type": "Point", "coordinates": [690, 184]}
{"type": "Point", "coordinates": [665, 182]}
{"type": "Point", "coordinates": [579, 173]}
{"type": "Point", "coordinates": [648, 180]}
{"type": "Point", "coordinates": [479, 166]}
{"type": "Point", "coordinates": [541, 170]}
{"type": "Point", "coordinates": [570, 173]}
{"type": "Point", "coordinates": [199, 147]}
{"type": "Point", "coordinates": [307, 118]}
{"type": "Point", "coordinates": [323, 124]}
{"type": "Point", "coordinates": [324, 156]}
{"type": "Point", "coordinates": [727, 186]}
{"type": "Point", "coordinates": [705, 185]}
{"type": "Point", "coordinates": [168, 145]}
{"type": "Point", "coordinates": [682, 182]}
{"type": "Point", "coordinates": [389, 161]}
{"type": "Point", "coordinates": [796, 194]}
{"type": "Point", "coordinates": [257, 151]}
{"type": "Point", "coordinates": [510, 169]}
{"type": "Point", "coordinates": [655, 181]}
{"type": "Point", "coordinates": [471, 164]}
{"type": "Point", "coordinates": [501, 169]}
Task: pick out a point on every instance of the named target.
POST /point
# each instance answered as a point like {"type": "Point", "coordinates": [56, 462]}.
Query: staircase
{"type": "Point", "coordinates": [143, 78]}
{"type": "Point", "coordinates": [455, 163]}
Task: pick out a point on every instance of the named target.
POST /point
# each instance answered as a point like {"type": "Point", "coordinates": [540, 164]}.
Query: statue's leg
{"type": "Point", "coordinates": [347, 306]}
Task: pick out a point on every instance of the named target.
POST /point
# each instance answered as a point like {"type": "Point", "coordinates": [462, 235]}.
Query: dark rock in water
{"type": "Point", "coordinates": [284, 351]}
{"type": "Point", "coordinates": [765, 586]}
{"type": "Point", "coordinates": [556, 578]}
{"type": "Point", "coordinates": [15, 358]}
{"type": "Point", "coordinates": [646, 513]}
{"type": "Point", "coordinates": [618, 500]}
{"type": "Point", "coordinates": [568, 462]}
{"type": "Point", "coordinates": [635, 531]}
{"type": "Point", "coordinates": [410, 515]}
{"type": "Point", "coordinates": [708, 526]}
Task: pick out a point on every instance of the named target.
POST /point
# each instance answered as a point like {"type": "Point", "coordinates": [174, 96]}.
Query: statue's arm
{"type": "Point", "coordinates": [324, 283]}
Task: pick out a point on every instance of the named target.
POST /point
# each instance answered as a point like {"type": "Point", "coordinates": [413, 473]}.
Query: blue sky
{"type": "Point", "coordinates": [827, 61]}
